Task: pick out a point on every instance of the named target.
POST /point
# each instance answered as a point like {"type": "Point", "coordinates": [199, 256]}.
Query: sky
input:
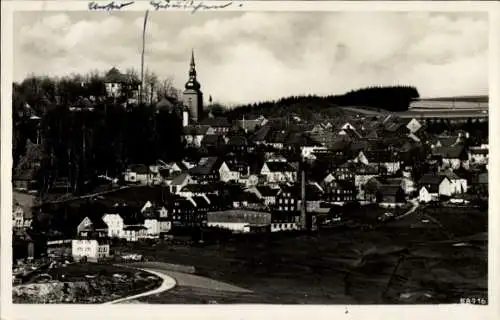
{"type": "Point", "coordinates": [247, 57]}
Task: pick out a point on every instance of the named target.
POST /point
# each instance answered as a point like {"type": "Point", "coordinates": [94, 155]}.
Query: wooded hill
{"type": "Point", "coordinates": [311, 107]}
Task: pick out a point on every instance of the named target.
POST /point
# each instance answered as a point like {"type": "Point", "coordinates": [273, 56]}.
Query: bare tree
{"type": "Point", "coordinates": [167, 89]}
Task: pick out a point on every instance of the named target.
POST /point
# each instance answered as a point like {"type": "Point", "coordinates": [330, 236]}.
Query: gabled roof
{"type": "Point", "coordinates": [280, 166]}
{"type": "Point", "coordinates": [205, 166]}
{"type": "Point", "coordinates": [201, 202]}
{"type": "Point", "coordinates": [97, 223]}
{"type": "Point", "coordinates": [198, 188]}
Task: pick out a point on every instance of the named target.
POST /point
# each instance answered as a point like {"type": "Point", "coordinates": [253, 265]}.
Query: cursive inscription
{"type": "Point", "coordinates": [191, 5]}
{"type": "Point", "coordinates": [109, 6]}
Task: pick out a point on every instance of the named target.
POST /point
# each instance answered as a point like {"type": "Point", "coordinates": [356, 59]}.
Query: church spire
{"type": "Point", "coordinates": [192, 82]}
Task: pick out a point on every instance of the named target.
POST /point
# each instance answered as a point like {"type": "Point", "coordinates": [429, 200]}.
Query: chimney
{"type": "Point", "coordinates": [303, 213]}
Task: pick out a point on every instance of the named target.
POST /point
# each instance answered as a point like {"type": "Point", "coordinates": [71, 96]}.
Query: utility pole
{"type": "Point", "coordinates": [304, 225]}
{"type": "Point", "coordinates": [141, 89]}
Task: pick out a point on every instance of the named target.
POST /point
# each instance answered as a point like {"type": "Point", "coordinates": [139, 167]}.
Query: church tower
{"type": "Point", "coordinates": [192, 97]}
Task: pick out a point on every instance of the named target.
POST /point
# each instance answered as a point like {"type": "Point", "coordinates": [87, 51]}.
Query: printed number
{"type": "Point", "coordinates": [473, 300]}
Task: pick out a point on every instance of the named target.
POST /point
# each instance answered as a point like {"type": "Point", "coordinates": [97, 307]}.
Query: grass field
{"type": "Point", "coordinates": [341, 266]}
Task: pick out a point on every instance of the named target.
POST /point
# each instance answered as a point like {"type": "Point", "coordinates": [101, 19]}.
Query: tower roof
{"type": "Point", "coordinates": [192, 83]}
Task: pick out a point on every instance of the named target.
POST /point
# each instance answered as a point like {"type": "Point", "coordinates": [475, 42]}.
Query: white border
{"type": "Point", "coordinates": [9, 311]}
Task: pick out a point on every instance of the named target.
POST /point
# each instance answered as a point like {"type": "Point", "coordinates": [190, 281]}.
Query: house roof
{"type": "Point", "coordinates": [217, 122]}
{"type": "Point", "coordinates": [479, 151]}
{"type": "Point", "coordinates": [267, 191]}
{"type": "Point", "coordinates": [198, 188]}
{"type": "Point", "coordinates": [166, 103]}
{"type": "Point", "coordinates": [451, 152]}
{"type": "Point", "coordinates": [450, 175]}
{"type": "Point", "coordinates": [483, 178]}
{"type": "Point", "coordinates": [97, 222]}
{"type": "Point", "coordinates": [196, 130]}
{"type": "Point", "coordinates": [280, 166]}
{"type": "Point", "coordinates": [205, 166]}
{"type": "Point", "coordinates": [364, 169]}
{"type": "Point", "coordinates": [431, 179]}
{"type": "Point", "coordinates": [390, 190]}
{"type": "Point", "coordinates": [201, 202]}
{"type": "Point", "coordinates": [237, 141]}
{"type": "Point", "coordinates": [138, 168]}
{"type": "Point", "coordinates": [115, 76]}
{"type": "Point", "coordinates": [262, 133]}
{"type": "Point", "coordinates": [212, 140]}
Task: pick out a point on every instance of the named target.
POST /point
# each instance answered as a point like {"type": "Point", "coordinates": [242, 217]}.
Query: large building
{"type": "Point", "coordinates": [192, 97]}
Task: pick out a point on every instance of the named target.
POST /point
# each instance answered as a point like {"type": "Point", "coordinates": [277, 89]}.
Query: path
{"type": "Point", "coordinates": [415, 204]}
{"type": "Point", "coordinates": [167, 284]}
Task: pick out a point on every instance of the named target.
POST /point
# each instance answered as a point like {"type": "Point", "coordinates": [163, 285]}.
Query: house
{"type": "Point", "coordinates": [133, 224]}
{"type": "Point", "coordinates": [413, 125]}
{"type": "Point", "coordinates": [386, 160]}
{"type": "Point", "coordinates": [479, 184]}
{"type": "Point", "coordinates": [139, 173]}
{"type": "Point", "coordinates": [478, 155]}
{"type": "Point", "coordinates": [184, 212]}
{"type": "Point", "coordinates": [231, 171]}
{"type": "Point", "coordinates": [265, 193]}
{"type": "Point", "coordinates": [432, 187]}
{"type": "Point", "coordinates": [193, 135]}
{"type": "Point", "coordinates": [92, 226]}
{"type": "Point", "coordinates": [164, 220]}
{"type": "Point", "coordinates": [452, 157]}
{"type": "Point", "coordinates": [459, 183]}
{"type": "Point", "coordinates": [362, 174]}
{"type": "Point", "coordinates": [239, 144]}
{"type": "Point", "coordinates": [345, 172]}
{"type": "Point", "coordinates": [118, 85]}
{"type": "Point", "coordinates": [278, 172]}
{"type": "Point", "coordinates": [25, 180]}
{"type": "Point", "coordinates": [114, 221]}
{"type": "Point", "coordinates": [340, 192]}
{"type": "Point", "coordinates": [391, 196]}
{"type": "Point", "coordinates": [92, 250]}
{"type": "Point", "coordinates": [192, 190]}
{"type": "Point", "coordinates": [178, 180]}
{"type": "Point", "coordinates": [241, 221]}
{"type": "Point", "coordinates": [17, 216]}
{"type": "Point", "coordinates": [151, 222]}
{"type": "Point", "coordinates": [218, 125]}
{"type": "Point", "coordinates": [407, 184]}
{"type": "Point", "coordinates": [207, 170]}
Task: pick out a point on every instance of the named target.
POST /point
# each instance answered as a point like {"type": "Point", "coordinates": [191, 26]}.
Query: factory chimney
{"type": "Point", "coordinates": [303, 207]}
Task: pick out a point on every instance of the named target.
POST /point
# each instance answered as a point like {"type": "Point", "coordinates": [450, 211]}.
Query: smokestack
{"type": "Point", "coordinates": [303, 213]}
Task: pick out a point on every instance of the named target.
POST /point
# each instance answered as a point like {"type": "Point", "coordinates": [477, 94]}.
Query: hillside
{"type": "Point", "coordinates": [311, 107]}
{"type": "Point", "coordinates": [480, 99]}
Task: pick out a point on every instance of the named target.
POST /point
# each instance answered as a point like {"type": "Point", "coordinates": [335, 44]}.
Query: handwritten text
{"type": "Point", "coordinates": [109, 6]}
{"type": "Point", "coordinates": [191, 5]}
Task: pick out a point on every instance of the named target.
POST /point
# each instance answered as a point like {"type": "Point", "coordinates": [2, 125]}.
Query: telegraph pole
{"type": "Point", "coordinates": [141, 89]}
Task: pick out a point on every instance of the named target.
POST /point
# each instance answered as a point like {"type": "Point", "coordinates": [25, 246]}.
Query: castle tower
{"type": "Point", "coordinates": [192, 96]}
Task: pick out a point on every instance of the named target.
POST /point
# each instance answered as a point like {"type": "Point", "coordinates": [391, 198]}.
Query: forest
{"type": "Point", "coordinates": [79, 145]}
{"type": "Point", "coordinates": [311, 107]}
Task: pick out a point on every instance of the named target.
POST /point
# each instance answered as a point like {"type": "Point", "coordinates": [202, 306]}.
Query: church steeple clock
{"type": "Point", "coordinates": [192, 96]}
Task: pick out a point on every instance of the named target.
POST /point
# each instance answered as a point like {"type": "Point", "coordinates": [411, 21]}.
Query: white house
{"type": "Point", "coordinates": [278, 172]}
{"type": "Point", "coordinates": [414, 125]}
{"type": "Point", "coordinates": [427, 194]}
{"type": "Point", "coordinates": [163, 220]}
{"type": "Point", "coordinates": [228, 172]}
{"type": "Point", "coordinates": [140, 174]}
{"type": "Point", "coordinates": [115, 225]}
{"type": "Point", "coordinates": [459, 183]}
{"type": "Point", "coordinates": [89, 249]}
{"type": "Point", "coordinates": [177, 181]}
{"type": "Point", "coordinates": [17, 216]}
{"type": "Point", "coordinates": [435, 186]}
{"type": "Point", "coordinates": [152, 227]}
{"type": "Point", "coordinates": [478, 155]}
{"type": "Point", "coordinates": [135, 233]}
